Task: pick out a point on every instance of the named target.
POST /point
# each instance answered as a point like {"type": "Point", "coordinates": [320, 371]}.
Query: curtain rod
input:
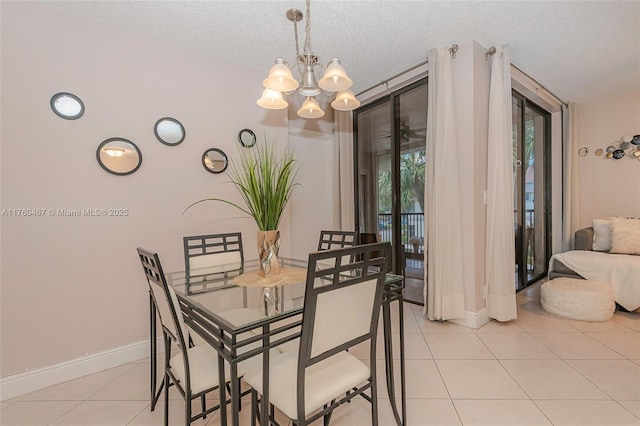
{"type": "Point", "coordinates": [386, 81]}
{"type": "Point", "coordinates": [541, 86]}
{"type": "Point", "coordinates": [452, 50]}
{"type": "Point", "coordinates": [490, 52]}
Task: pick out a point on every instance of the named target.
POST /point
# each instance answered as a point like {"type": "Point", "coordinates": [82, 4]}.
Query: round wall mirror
{"type": "Point", "coordinates": [67, 105]}
{"type": "Point", "coordinates": [247, 138]}
{"type": "Point", "coordinates": [119, 156]}
{"type": "Point", "coordinates": [169, 131]}
{"type": "Point", "coordinates": [215, 160]}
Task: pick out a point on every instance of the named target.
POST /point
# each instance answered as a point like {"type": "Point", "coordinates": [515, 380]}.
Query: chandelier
{"type": "Point", "coordinates": [281, 79]}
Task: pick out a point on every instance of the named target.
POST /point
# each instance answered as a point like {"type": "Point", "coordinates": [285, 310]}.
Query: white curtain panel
{"type": "Point", "coordinates": [570, 196]}
{"type": "Point", "coordinates": [500, 248]}
{"type": "Point", "coordinates": [343, 203]}
{"type": "Point", "coordinates": [444, 293]}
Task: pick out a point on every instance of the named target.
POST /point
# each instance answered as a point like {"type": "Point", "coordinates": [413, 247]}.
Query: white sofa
{"type": "Point", "coordinates": [620, 270]}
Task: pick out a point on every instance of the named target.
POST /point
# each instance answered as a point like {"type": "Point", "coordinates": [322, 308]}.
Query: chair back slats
{"type": "Point", "coordinates": [213, 254]}
{"type": "Point", "coordinates": [336, 239]}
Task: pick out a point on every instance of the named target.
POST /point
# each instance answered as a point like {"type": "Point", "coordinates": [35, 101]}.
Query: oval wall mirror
{"type": "Point", "coordinates": [119, 156]}
{"type": "Point", "coordinates": [67, 105]}
{"type": "Point", "coordinates": [247, 138]}
{"type": "Point", "coordinates": [169, 131]}
{"type": "Point", "coordinates": [215, 160]}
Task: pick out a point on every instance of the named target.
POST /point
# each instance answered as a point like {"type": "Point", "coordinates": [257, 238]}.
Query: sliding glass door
{"type": "Point", "coordinates": [532, 190]}
{"type": "Point", "coordinates": [390, 169]}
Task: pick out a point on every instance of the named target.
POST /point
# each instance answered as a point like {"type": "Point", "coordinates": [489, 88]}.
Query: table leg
{"type": "Point", "coordinates": [235, 394]}
{"type": "Point", "coordinates": [264, 402]}
{"type": "Point", "coordinates": [223, 392]}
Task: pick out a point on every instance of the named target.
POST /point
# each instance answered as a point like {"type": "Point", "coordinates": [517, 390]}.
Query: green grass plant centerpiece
{"type": "Point", "coordinates": [265, 181]}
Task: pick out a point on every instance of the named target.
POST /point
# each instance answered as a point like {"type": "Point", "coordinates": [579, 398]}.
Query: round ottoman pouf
{"type": "Point", "coordinates": [578, 299]}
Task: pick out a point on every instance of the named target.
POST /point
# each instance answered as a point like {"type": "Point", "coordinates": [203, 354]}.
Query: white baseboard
{"type": "Point", "coordinates": [473, 320]}
{"type": "Point", "coordinates": [33, 380]}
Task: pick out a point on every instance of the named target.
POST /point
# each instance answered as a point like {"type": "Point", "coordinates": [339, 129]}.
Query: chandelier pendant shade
{"type": "Point", "coordinates": [345, 101]}
{"type": "Point", "coordinates": [281, 79]}
{"type": "Point", "coordinates": [272, 99]}
{"type": "Point", "coordinates": [310, 108]}
{"type": "Point", "coordinates": [335, 78]}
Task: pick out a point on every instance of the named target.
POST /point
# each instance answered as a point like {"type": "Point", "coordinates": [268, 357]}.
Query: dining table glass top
{"type": "Point", "coordinates": [238, 296]}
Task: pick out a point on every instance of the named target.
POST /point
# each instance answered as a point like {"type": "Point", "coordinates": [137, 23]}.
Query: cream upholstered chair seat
{"type": "Point", "coordinates": [240, 316]}
{"type": "Point", "coordinates": [290, 346]}
{"type": "Point", "coordinates": [203, 366]}
{"type": "Point", "coordinates": [325, 381]}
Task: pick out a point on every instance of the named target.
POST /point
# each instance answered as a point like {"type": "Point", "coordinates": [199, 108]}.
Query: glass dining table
{"type": "Point", "coordinates": [244, 320]}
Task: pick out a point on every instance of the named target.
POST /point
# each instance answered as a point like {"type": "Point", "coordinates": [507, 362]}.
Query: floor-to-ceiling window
{"type": "Point", "coordinates": [532, 189]}
{"type": "Point", "coordinates": [390, 170]}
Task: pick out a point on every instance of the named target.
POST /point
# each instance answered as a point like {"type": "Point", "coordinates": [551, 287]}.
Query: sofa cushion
{"type": "Point", "coordinates": [601, 234]}
{"type": "Point", "coordinates": [625, 236]}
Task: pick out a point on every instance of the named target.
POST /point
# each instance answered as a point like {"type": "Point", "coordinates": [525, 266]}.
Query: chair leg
{"type": "Point", "coordinates": [327, 417]}
{"type": "Point", "coordinates": [239, 394]}
{"type": "Point", "coordinates": [166, 399]}
{"type": "Point", "coordinates": [166, 381]}
{"type": "Point", "coordinates": [254, 406]}
{"type": "Point", "coordinates": [204, 406]}
{"type": "Point", "coordinates": [374, 405]}
{"type": "Point", "coordinates": [187, 406]}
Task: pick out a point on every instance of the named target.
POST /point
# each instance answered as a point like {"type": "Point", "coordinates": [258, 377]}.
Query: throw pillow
{"type": "Point", "coordinates": [601, 234]}
{"type": "Point", "coordinates": [625, 235]}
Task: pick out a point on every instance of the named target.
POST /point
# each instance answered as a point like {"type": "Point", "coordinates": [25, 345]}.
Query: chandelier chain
{"type": "Point", "coordinates": [295, 29]}
{"type": "Point", "coordinates": [307, 30]}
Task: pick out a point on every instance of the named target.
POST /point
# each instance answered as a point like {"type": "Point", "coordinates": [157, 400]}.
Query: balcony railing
{"type": "Point", "coordinates": [412, 225]}
{"type": "Point", "coordinates": [412, 230]}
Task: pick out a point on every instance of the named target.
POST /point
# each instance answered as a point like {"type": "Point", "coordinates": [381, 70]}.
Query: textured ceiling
{"type": "Point", "coordinates": [578, 50]}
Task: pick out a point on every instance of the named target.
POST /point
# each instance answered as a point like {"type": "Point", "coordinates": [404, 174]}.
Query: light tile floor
{"type": "Point", "coordinates": [537, 370]}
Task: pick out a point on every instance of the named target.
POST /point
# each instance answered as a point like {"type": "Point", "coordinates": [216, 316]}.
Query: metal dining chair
{"type": "Point", "coordinates": [194, 369]}
{"type": "Point", "coordinates": [341, 309]}
{"type": "Point", "coordinates": [213, 256]}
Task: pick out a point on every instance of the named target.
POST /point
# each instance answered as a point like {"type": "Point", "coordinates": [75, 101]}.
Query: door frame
{"type": "Point", "coordinates": [519, 242]}
{"type": "Point", "coordinates": [396, 208]}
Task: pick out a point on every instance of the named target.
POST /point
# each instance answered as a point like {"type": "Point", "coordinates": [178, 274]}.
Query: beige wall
{"type": "Point", "coordinates": [312, 205]}
{"type": "Point", "coordinates": [72, 286]}
{"type": "Point", "coordinates": [608, 187]}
